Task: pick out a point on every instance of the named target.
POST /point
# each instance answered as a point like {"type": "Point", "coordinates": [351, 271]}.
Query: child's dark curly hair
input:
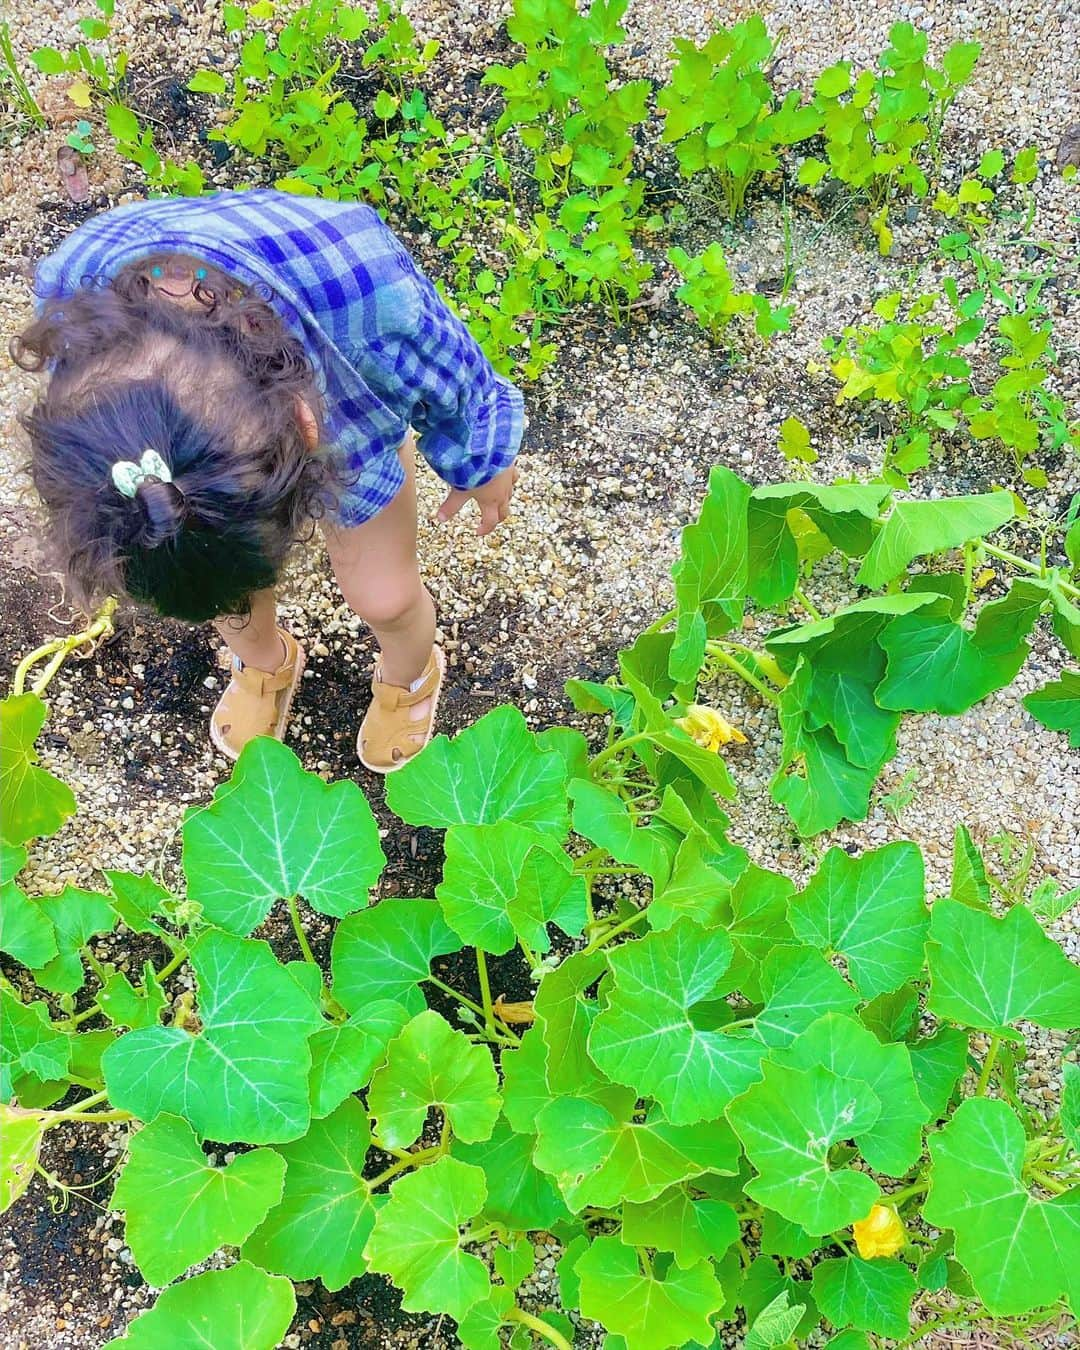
{"type": "Point", "coordinates": [213, 386]}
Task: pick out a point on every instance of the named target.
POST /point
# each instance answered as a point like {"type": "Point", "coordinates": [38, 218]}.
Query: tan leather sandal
{"type": "Point", "coordinates": [257, 702]}
{"type": "Point", "coordinates": [389, 737]}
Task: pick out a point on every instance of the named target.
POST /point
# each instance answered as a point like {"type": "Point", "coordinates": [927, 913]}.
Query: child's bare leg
{"type": "Point", "coordinates": [254, 638]}
{"type": "Point", "coordinates": [377, 570]}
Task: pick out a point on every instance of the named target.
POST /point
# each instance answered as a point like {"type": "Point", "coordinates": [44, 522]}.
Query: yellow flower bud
{"type": "Point", "coordinates": [881, 1233]}
{"type": "Point", "coordinates": [709, 728]}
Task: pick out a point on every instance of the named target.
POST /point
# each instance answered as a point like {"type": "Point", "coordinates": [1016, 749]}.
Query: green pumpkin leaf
{"type": "Point", "coordinates": [136, 898]}
{"type": "Point", "coordinates": [699, 886]}
{"type": "Point", "coordinates": [711, 573]}
{"type": "Point", "coordinates": [764, 1284]}
{"type": "Point", "coordinates": [849, 1340]}
{"type": "Point", "coordinates": [386, 951]}
{"type": "Point", "coordinates": [524, 1083]}
{"type": "Point", "coordinates": [1002, 625]}
{"type": "Point", "coordinates": [29, 1044]}
{"type": "Point", "coordinates": [518, 1196]}
{"type": "Point", "coordinates": [325, 1214]}
{"type": "Point", "coordinates": [970, 884]}
{"type": "Point", "coordinates": [843, 702]}
{"type": "Point", "coordinates": [775, 1325]}
{"type": "Point", "coordinates": [514, 1264]}
{"type": "Point", "coordinates": [892, 1017]}
{"type": "Point", "coordinates": [893, 1143]}
{"type": "Point", "coordinates": [343, 1057]}
{"type": "Point", "coordinates": [606, 820]}
{"type": "Point", "coordinates": [851, 628]}
{"type": "Point", "coordinates": [988, 973]}
{"type": "Point", "coordinates": [1070, 1104]}
{"type": "Point", "coordinates": [781, 1237]}
{"type": "Point", "coordinates": [816, 783]}
{"type": "Point", "coordinates": [33, 802]}
{"type": "Point", "coordinates": [178, 1208]}
{"type": "Point", "coordinates": [244, 1076]}
{"type": "Point", "coordinates": [692, 1230]}
{"type": "Point", "coordinates": [938, 1063]}
{"type": "Point", "coordinates": [417, 1242]}
{"type": "Point", "coordinates": [564, 1018]}
{"type": "Point", "coordinates": [844, 512]}
{"type": "Point", "coordinates": [867, 1295]}
{"type": "Point", "coordinates": [934, 665]}
{"type": "Point", "coordinates": [1021, 1252]}
{"type": "Point", "coordinates": [479, 1328]}
{"type": "Point", "coordinates": [646, 1037]}
{"type": "Point", "coordinates": [1057, 705]}
{"type": "Point", "coordinates": [917, 528]}
{"type": "Point", "coordinates": [759, 925]}
{"type": "Point", "coordinates": [241, 1308]}
{"type": "Point", "coordinates": [26, 931]}
{"type": "Point", "coordinates": [652, 1313]}
{"type": "Point", "coordinates": [871, 910]}
{"type": "Point", "coordinates": [503, 882]}
{"type": "Point", "coordinates": [127, 1006]}
{"type": "Point", "coordinates": [274, 831]}
{"type": "Point", "coordinates": [787, 1124]}
{"type": "Point", "coordinates": [494, 770]}
{"type": "Point", "coordinates": [21, 1133]}
{"type": "Point", "coordinates": [431, 1064]}
{"type": "Point", "coordinates": [798, 985]}
{"type": "Point", "coordinates": [76, 916]}
{"type": "Point", "coordinates": [598, 1159]}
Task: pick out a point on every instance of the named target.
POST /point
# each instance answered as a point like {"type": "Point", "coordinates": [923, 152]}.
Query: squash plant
{"type": "Point", "coordinates": [731, 1097]}
{"type": "Point", "coordinates": [840, 680]}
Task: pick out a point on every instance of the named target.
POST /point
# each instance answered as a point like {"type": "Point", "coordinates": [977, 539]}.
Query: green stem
{"type": "Point", "coordinates": [814, 613]}
{"type": "Point", "coordinates": [60, 648]}
{"type": "Point", "coordinates": [403, 1164]}
{"type": "Point", "coordinates": [1025, 565]}
{"type": "Point", "coordinates": [660, 624]}
{"type": "Point", "coordinates": [725, 658]}
{"type": "Point", "coordinates": [454, 993]}
{"type": "Point", "coordinates": [541, 1328]}
{"type": "Point", "coordinates": [988, 1064]}
{"type": "Point", "coordinates": [613, 750]}
{"type": "Point", "coordinates": [485, 993]}
{"type": "Point", "coordinates": [174, 964]}
{"type": "Point", "coordinates": [603, 938]}
{"type": "Point", "coordinates": [1048, 1182]}
{"type": "Point", "coordinates": [298, 929]}
{"type": "Point", "coordinates": [897, 1198]}
{"type": "Point", "coordinates": [84, 1105]}
{"type": "Point", "coordinates": [376, 1142]}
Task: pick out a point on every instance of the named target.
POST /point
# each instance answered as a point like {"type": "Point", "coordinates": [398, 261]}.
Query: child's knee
{"type": "Point", "coordinates": [394, 604]}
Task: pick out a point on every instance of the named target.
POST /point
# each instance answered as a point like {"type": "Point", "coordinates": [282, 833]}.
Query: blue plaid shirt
{"type": "Point", "coordinates": [386, 351]}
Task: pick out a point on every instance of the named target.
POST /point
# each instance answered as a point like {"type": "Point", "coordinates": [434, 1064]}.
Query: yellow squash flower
{"type": "Point", "coordinates": [880, 1234]}
{"type": "Point", "coordinates": [709, 728]}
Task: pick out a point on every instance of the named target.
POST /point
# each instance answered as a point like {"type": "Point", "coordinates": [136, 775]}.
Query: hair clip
{"type": "Point", "coordinates": [157, 271]}
{"type": "Point", "coordinates": [200, 274]}
{"type": "Point", "coordinates": [127, 475]}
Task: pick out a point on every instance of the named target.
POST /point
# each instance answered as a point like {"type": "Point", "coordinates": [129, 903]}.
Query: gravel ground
{"type": "Point", "coordinates": [623, 431]}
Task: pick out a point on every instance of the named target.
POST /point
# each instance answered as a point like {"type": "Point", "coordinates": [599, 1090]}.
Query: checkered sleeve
{"type": "Point", "coordinates": [468, 418]}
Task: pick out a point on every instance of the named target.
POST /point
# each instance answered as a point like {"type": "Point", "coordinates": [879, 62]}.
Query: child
{"type": "Point", "coordinates": [225, 370]}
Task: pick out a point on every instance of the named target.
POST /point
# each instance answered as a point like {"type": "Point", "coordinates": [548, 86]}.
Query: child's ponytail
{"type": "Point", "coordinates": [163, 509]}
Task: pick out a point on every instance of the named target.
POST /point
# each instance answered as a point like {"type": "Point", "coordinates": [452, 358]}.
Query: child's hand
{"type": "Point", "coordinates": [493, 500]}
